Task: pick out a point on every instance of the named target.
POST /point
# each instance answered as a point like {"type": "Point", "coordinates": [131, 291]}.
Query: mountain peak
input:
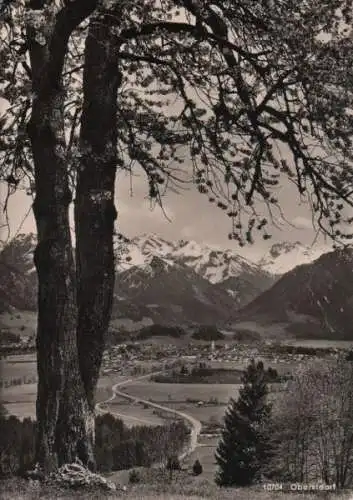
{"type": "Point", "coordinates": [284, 256]}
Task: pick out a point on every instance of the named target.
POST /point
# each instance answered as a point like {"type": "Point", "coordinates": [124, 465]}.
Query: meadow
{"type": "Point", "coordinates": [18, 366]}
{"type": "Point", "coordinates": [19, 400]}
{"type": "Point", "coordinates": [23, 323]}
{"type": "Point", "coordinates": [171, 393]}
{"type": "Point", "coordinates": [134, 414]}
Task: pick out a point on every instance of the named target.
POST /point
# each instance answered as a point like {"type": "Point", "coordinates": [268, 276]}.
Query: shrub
{"type": "Point", "coordinates": [134, 477]}
{"type": "Point", "coordinates": [8, 337]}
{"type": "Point", "coordinates": [197, 468]}
{"type": "Point", "coordinates": [173, 464]}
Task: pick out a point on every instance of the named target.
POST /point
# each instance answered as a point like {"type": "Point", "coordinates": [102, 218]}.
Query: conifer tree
{"type": "Point", "coordinates": [244, 447]}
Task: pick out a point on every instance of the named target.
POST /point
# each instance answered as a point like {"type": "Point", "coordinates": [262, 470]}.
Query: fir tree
{"type": "Point", "coordinates": [244, 447]}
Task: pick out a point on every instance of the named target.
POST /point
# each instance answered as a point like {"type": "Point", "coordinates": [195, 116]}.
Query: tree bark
{"type": "Point", "coordinates": [64, 420]}
{"type": "Point", "coordinates": [94, 205]}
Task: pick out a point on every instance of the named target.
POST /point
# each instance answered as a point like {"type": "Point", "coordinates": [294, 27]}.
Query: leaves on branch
{"type": "Point", "coordinates": [234, 96]}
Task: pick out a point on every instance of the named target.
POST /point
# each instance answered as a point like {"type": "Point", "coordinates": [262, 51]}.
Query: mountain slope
{"type": "Point", "coordinates": [156, 279]}
{"type": "Point", "coordinates": [313, 299]}
{"type": "Point", "coordinates": [170, 293]}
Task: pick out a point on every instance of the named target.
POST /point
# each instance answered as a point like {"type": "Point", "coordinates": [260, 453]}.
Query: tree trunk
{"type": "Point", "coordinates": [94, 205]}
{"type": "Point", "coordinates": [64, 419]}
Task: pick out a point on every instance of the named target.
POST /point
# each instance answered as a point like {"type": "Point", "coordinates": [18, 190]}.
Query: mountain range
{"type": "Point", "coordinates": [300, 288]}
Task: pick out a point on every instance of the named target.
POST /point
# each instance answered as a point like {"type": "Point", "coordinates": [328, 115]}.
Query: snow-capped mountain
{"type": "Point", "coordinates": [170, 293]}
{"type": "Point", "coordinates": [242, 278]}
{"type": "Point", "coordinates": [282, 257]}
{"type": "Point", "coordinates": [183, 280]}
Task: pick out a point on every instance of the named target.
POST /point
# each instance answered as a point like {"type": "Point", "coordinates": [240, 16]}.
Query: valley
{"type": "Point", "coordinates": [186, 320]}
{"type": "Point", "coordinates": [129, 389]}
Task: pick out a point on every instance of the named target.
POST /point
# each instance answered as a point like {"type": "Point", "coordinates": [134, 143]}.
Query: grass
{"type": "Point", "coordinates": [134, 414]}
{"type": "Point", "coordinates": [206, 455]}
{"type": "Point", "coordinates": [23, 323]}
{"type": "Point", "coordinates": [20, 400]}
{"type": "Point", "coordinates": [18, 366]}
{"type": "Point", "coordinates": [182, 392]}
{"type": "Point", "coordinates": [202, 413]}
{"type": "Point", "coordinates": [182, 487]}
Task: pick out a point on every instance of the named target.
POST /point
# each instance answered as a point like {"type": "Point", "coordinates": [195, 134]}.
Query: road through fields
{"type": "Point", "coordinates": [194, 424]}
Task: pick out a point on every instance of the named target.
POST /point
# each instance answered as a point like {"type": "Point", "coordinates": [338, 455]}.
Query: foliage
{"type": "Point", "coordinates": [16, 381]}
{"type": "Point", "coordinates": [244, 446]}
{"type": "Point", "coordinates": [157, 330]}
{"type": "Point", "coordinates": [203, 374]}
{"type": "Point", "coordinates": [16, 445]}
{"type": "Point", "coordinates": [312, 425]}
{"type": "Point", "coordinates": [349, 356]}
{"type": "Point", "coordinates": [246, 336]}
{"type": "Point", "coordinates": [8, 337]}
{"type": "Point", "coordinates": [134, 477]}
{"type": "Point", "coordinates": [197, 468]}
{"type": "Point", "coordinates": [173, 463]}
{"type": "Point", "coordinates": [117, 446]}
{"type": "Point", "coordinates": [208, 332]}
{"type": "Point", "coordinates": [250, 95]}
{"type": "Point", "coordinates": [295, 350]}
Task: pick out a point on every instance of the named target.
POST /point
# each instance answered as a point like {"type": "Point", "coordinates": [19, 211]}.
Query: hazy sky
{"type": "Point", "coordinates": [191, 217]}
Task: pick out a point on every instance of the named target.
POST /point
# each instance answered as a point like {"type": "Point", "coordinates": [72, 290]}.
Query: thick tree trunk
{"type": "Point", "coordinates": [64, 419]}
{"type": "Point", "coordinates": [63, 415]}
{"type": "Point", "coordinates": [94, 205]}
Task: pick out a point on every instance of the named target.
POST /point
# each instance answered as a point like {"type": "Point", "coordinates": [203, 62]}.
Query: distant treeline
{"type": "Point", "coordinates": [203, 332]}
{"type": "Point", "coordinates": [117, 446]}
{"type": "Point", "coordinates": [204, 374]}
{"type": "Point", "coordinates": [209, 333]}
{"type": "Point", "coordinates": [298, 349]}
{"type": "Point", "coordinates": [8, 337]}
{"type": "Point", "coordinates": [9, 350]}
{"type": "Point", "coordinates": [160, 331]}
{"type": "Point", "coordinates": [4, 384]}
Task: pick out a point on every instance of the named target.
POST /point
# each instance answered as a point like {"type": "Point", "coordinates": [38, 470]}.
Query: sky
{"type": "Point", "coordinates": [190, 216]}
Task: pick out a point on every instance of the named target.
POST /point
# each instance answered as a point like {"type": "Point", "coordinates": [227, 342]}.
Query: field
{"type": "Point", "coordinates": [20, 400]}
{"type": "Point", "coordinates": [282, 366]}
{"type": "Point", "coordinates": [22, 323]}
{"type": "Point", "coordinates": [205, 453]}
{"type": "Point", "coordinates": [171, 393]}
{"type": "Point", "coordinates": [18, 366]}
{"type": "Point", "coordinates": [134, 414]}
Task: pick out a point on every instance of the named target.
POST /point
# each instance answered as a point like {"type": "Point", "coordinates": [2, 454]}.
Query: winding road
{"type": "Point", "coordinates": [194, 424]}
